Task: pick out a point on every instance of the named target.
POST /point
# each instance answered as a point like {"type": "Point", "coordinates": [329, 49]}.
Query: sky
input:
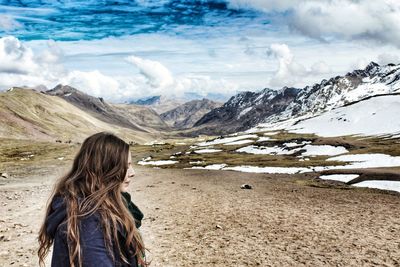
{"type": "Point", "coordinates": [125, 50]}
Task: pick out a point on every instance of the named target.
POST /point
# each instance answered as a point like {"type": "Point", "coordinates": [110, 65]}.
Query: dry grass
{"type": "Point", "coordinates": [19, 157]}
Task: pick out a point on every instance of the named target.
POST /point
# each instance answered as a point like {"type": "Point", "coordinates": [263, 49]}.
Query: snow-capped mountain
{"type": "Point", "coordinates": [248, 109]}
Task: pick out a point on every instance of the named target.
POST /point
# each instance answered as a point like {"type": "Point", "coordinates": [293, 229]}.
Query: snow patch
{"type": "Point", "coordinates": [208, 150]}
{"type": "Point", "coordinates": [271, 133]}
{"type": "Point", "coordinates": [210, 167]}
{"type": "Point", "coordinates": [263, 150]}
{"type": "Point", "coordinates": [196, 162]}
{"type": "Point", "coordinates": [256, 169]}
{"type": "Point", "coordinates": [155, 142]}
{"type": "Point", "coordinates": [244, 111]}
{"type": "Point", "coordinates": [380, 184]}
{"type": "Point", "coordinates": [227, 140]}
{"type": "Point", "coordinates": [340, 177]}
{"type": "Point", "coordinates": [239, 142]}
{"type": "Point", "coordinates": [322, 150]}
{"type": "Point", "coordinates": [366, 161]}
{"type": "Point", "coordinates": [264, 138]}
{"type": "Point", "coordinates": [158, 162]}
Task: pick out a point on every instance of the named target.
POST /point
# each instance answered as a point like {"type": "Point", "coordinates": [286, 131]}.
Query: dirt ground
{"type": "Point", "coordinates": [203, 218]}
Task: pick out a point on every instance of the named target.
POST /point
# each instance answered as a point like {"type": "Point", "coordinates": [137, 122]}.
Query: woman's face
{"type": "Point", "coordinates": [129, 175]}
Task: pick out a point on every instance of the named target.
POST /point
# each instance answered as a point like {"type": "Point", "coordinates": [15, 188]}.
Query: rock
{"type": "Point", "coordinates": [4, 253]}
{"type": "Point", "coordinates": [246, 186]}
{"type": "Point", "coordinates": [4, 238]}
{"type": "Point", "coordinates": [4, 175]}
{"type": "Point", "coordinates": [218, 226]}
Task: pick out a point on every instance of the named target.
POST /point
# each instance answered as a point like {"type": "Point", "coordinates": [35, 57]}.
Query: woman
{"type": "Point", "coordinates": [88, 220]}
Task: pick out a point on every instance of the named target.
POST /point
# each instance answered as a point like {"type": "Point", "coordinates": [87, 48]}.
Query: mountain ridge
{"type": "Point", "coordinates": [29, 114]}
{"type": "Point", "coordinates": [248, 109]}
{"type": "Point", "coordinates": [185, 115]}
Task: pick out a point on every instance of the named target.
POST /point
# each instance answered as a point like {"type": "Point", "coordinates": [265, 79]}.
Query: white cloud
{"type": "Point", "coordinates": [163, 82]}
{"type": "Point", "coordinates": [155, 72]}
{"type": "Point", "coordinates": [8, 23]}
{"type": "Point", "coordinates": [21, 66]}
{"type": "Point", "coordinates": [321, 67]}
{"type": "Point", "coordinates": [92, 82]}
{"type": "Point", "coordinates": [386, 58]}
{"type": "Point", "coordinates": [290, 72]}
{"type": "Point", "coordinates": [348, 19]}
{"type": "Point", "coordinates": [382, 59]}
{"type": "Point", "coordinates": [359, 63]}
{"type": "Point", "coordinates": [15, 57]}
{"type": "Point", "coordinates": [237, 63]}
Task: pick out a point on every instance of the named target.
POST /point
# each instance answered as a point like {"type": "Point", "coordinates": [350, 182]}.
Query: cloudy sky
{"type": "Point", "coordinates": [123, 50]}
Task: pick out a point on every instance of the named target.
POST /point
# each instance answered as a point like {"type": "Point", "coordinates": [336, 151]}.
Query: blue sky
{"type": "Point", "coordinates": [123, 50]}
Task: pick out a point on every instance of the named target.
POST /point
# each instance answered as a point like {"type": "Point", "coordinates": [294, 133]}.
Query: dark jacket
{"type": "Point", "coordinates": [93, 248]}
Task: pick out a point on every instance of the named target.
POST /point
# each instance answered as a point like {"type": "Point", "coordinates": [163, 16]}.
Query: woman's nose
{"type": "Point", "coordinates": [131, 172]}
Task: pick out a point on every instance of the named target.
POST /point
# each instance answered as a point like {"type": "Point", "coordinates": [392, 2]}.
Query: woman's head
{"type": "Point", "coordinates": [129, 174]}
{"type": "Point", "coordinates": [100, 171]}
{"type": "Point", "coordinates": [101, 163]}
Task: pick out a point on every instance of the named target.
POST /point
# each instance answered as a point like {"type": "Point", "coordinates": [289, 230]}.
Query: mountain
{"type": "Point", "coordinates": [160, 104]}
{"type": "Point", "coordinates": [143, 116]}
{"type": "Point", "coordinates": [96, 106]}
{"type": "Point", "coordinates": [248, 109]}
{"type": "Point", "coordinates": [185, 115]}
{"type": "Point", "coordinates": [245, 110]}
{"type": "Point", "coordinates": [152, 100]}
{"type": "Point", "coordinates": [29, 114]}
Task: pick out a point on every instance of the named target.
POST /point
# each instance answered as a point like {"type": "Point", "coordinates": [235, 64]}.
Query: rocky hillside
{"type": "Point", "coordinates": [96, 106]}
{"type": "Point", "coordinates": [248, 109]}
{"type": "Point", "coordinates": [186, 115]}
{"type": "Point", "coordinates": [29, 114]}
{"type": "Point", "coordinates": [143, 116]}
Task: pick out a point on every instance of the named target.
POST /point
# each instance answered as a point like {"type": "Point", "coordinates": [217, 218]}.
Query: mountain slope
{"type": "Point", "coordinates": [28, 114]}
{"type": "Point", "coordinates": [185, 116]}
{"type": "Point", "coordinates": [143, 116]}
{"type": "Point", "coordinates": [374, 116]}
{"type": "Point", "coordinates": [93, 105]}
{"type": "Point", "coordinates": [248, 109]}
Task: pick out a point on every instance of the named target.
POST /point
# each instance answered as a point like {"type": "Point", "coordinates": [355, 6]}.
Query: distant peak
{"type": "Point", "coordinates": [371, 65]}
{"type": "Point", "coordinates": [62, 89]}
{"type": "Point", "coordinates": [147, 100]}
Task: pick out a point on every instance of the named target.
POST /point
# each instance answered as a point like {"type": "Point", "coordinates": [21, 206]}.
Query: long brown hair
{"type": "Point", "coordinates": [94, 185]}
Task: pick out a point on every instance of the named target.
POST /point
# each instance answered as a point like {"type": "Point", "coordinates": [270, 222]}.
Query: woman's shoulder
{"type": "Point", "coordinates": [56, 216]}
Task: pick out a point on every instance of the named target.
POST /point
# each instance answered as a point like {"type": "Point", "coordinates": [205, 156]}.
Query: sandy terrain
{"type": "Point", "coordinates": [203, 218]}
